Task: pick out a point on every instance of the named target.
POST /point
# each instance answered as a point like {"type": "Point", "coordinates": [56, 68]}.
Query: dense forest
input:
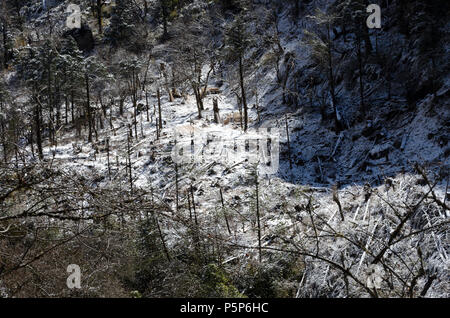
{"type": "Point", "coordinates": [121, 152]}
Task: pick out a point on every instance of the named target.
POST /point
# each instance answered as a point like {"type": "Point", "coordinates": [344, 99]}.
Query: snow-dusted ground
{"type": "Point", "coordinates": [281, 194]}
{"type": "Point", "coordinates": [320, 159]}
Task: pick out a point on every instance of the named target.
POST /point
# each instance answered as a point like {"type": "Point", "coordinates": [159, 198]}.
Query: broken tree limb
{"type": "Point", "coordinates": [320, 168]}
{"type": "Point", "coordinates": [338, 202]}
{"type": "Point", "coordinates": [338, 142]}
{"type": "Point", "coordinates": [404, 140]}
{"type": "Point", "coordinates": [224, 212]}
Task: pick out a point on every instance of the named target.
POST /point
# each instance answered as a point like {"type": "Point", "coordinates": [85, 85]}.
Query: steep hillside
{"type": "Point", "coordinates": [341, 190]}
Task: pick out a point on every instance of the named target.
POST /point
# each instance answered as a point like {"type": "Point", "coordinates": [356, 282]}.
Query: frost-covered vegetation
{"type": "Point", "coordinates": [358, 207]}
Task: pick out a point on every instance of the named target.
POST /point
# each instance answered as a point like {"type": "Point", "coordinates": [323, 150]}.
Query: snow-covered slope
{"type": "Point", "coordinates": [339, 201]}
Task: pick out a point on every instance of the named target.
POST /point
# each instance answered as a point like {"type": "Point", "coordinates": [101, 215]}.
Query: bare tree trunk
{"type": "Point", "coordinates": [166, 251]}
{"type": "Point", "coordinates": [66, 120]}
{"type": "Point", "coordinates": [5, 44]}
{"type": "Point", "coordinates": [189, 205]}
{"type": "Point", "coordinates": [145, 8]}
{"type": "Point", "coordinates": [288, 143]}
{"type": "Point", "coordinates": [167, 86]}
{"type": "Point", "coordinates": [142, 127]}
{"type": "Point", "coordinates": [88, 108]}
{"type": "Point", "coordinates": [32, 141]}
{"type": "Point", "coordinates": [176, 186]}
{"type": "Point", "coordinates": [3, 134]}
{"type": "Point", "coordinates": [368, 43]}
{"type": "Point", "coordinates": [224, 212]}
{"type": "Point", "coordinates": [133, 88]}
{"type": "Point", "coordinates": [110, 118]}
{"type": "Point", "coordinates": [258, 216]}
{"type": "Point", "coordinates": [156, 122]}
{"type": "Point", "coordinates": [205, 88]}
{"type": "Point", "coordinates": [121, 102]}
{"type": "Point", "coordinates": [239, 102]}
{"type": "Point", "coordinates": [165, 33]}
{"type": "Point", "coordinates": [244, 99]}
{"type": "Point", "coordinates": [107, 154]}
{"type": "Point", "coordinates": [361, 84]}
{"type": "Point", "coordinates": [99, 16]}
{"type": "Point", "coordinates": [216, 111]}
{"type": "Point", "coordinates": [72, 102]}
{"type": "Point", "coordinates": [37, 120]}
{"type": "Point", "coordinates": [146, 104]}
{"type": "Point", "coordinates": [129, 164]}
{"type": "Point", "coordinates": [159, 109]}
{"type": "Point", "coordinates": [198, 100]}
{"type": "Point", "coordinates": [193, 206]}
{"type": "Point", "coordinates": [257, 105]}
